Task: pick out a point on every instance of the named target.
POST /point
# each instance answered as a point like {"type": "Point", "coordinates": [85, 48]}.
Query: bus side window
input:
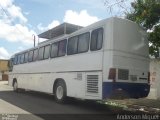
{"type": "Point", "coordinates": [46, 51]}
{"type": "Point", "coordinates": [30, 58]}
{"type": "Point", "coordinates": [35, 55]}
{"type": "Point", "coordinates": [54, 50]}
{"type": "Point", "coordinates": [41, 53]}
{"type": "Point", "coordinates": [62, 48]}
{"type": "Point", "coordinates": [26, 57]}
{"type": "Point", "coordinates": [22, 58]}
{"type": "Point", "coordinates": [72, 45]}
{"type": "Point", "coordinates": [96, 39]}
{"type": "Point", "coordinates": [83, 42]}
{"type": "Point", "coordinates": [12, 61]}
{"type": "Point", "coordinates": [19, 59]}
{"type": "Point", "coordinates": [10, 64]}
{"type": "Point", "coordinates": [15, 59]}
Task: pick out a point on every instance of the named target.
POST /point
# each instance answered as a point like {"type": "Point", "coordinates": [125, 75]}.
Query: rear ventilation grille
{"type": "Point", "coordinates": [92, 83]}
{"type": "Point", "coordinates": [123, 74]}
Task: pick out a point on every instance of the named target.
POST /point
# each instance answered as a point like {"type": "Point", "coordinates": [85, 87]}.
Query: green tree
{"type": "Point", "coordinates": [147, 14]}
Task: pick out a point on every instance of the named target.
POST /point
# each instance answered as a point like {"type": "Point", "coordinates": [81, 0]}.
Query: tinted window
{"type": "Point", "coordinates": [40, 54]}
{"type": "Point", "coordinates": [26, 57]}
{"type": "Point", "coordinates": [22, 58]}
{"type": "Point", "coordinates": [19, 59]}
{"type": "Point", "coordinates": [62, 48]}
{"type": "Point", "coordinates": [46, 51]}
{"type": "Point", "coordinates": [30, 58]}
{"type": "Point", "coordinates": [96, 39]}
{"type": "Point", "coordinates": [100, 39]}
{"type": "Point", "coordinates": [10, 64]}
{"type": "Point", "coordinates": [54, 50]}
{"type": "Point", "coordinates": [15, 60]}
{"type": "Point", "coordinates": [35, 55]}
{"type": "Point", "coordinates": [93, 41]}
{"type": "Point", "coordinates": [83, 42]}
{"type": "Point", "coordinates": [72, 45]}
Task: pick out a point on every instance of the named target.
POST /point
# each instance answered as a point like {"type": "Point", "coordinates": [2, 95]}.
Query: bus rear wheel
{"type": "Point", "coordinates": [60, 92]}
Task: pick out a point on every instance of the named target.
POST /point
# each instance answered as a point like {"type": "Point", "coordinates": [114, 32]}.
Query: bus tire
{"type": "Point", "coordinates": [60, 92]}
{"type": "Point", "coordinates": [15, 86]}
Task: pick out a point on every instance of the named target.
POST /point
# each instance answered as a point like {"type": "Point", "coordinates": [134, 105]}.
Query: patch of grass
{"type": "Point", "coordinates": [115, 107]}
{"type": "Point", "coordinates": [133, 105]}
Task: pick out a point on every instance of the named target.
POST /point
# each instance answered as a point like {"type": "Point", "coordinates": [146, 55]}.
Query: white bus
{"type": "Point", "coordinates": [100, 61]}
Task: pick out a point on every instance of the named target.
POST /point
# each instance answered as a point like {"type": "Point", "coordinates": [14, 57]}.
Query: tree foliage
{"type": "Point", "coordinates": [147, 14]}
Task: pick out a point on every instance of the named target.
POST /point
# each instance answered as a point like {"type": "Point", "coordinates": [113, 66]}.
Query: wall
{"type": "Point", "coordinates": [3, 65]}
{"type": "Point", "coordinates": [3, 69]}
{"type": "Point", "coordinates": [0, 76]}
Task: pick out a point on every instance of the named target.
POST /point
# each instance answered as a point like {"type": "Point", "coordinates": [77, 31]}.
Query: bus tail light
{"type": "Point", "coordinates": [112, 74]}
{"type": "Point", "coordinates": [148, 77]}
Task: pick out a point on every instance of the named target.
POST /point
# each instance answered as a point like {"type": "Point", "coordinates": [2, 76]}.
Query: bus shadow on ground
{"type": "Point", "coordinates": [40, 103]}
{"type": "Point", "coordinates": [45, 107]}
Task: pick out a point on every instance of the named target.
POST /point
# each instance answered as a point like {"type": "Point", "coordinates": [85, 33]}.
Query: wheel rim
{"type": "Point", "coordinates": [15, 86]}
{"type": "Point", "coordinates": [59, 92]}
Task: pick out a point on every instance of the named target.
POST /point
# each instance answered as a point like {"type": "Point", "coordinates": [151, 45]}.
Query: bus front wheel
{"type": "Point", "coordinates": [15, 86]}
{"type": "Point", "coordinates": [60, 92]}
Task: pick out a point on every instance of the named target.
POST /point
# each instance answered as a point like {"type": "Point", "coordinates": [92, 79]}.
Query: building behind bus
{"type": "Point", "coordinates": [4, 69]}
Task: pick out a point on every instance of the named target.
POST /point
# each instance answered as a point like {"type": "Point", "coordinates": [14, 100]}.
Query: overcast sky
{"type": "Point", "coordinates": [20, 19]}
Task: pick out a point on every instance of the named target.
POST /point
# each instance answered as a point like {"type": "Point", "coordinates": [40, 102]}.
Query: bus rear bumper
{"type": "Point", "coordinates": [120, 90]}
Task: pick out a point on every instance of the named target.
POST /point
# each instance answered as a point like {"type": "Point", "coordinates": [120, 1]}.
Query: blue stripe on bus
{"type": "Point", "coordinates": [132, 90]}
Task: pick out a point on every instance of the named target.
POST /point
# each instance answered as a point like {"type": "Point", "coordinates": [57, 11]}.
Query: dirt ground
{"type": "Point", "coordinates": [143, 104]}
